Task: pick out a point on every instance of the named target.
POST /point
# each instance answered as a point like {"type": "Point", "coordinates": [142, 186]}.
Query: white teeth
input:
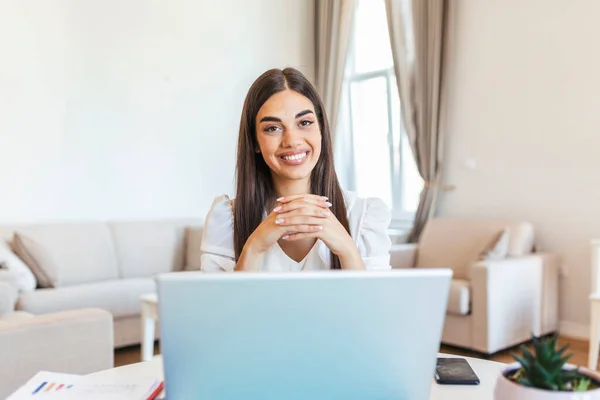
{"type": "Point", "coordinates": [295, 157]}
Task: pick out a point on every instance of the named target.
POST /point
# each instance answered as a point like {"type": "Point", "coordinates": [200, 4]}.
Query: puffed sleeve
{"type": "Point", "coordinates": [374, 242]}
{"type": "Point", "coordinates": [216, 251]}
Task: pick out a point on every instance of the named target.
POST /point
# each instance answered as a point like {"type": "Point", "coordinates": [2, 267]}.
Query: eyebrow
{"type": "Point", "coordinates": [303, 113]}
{"type": "Point", "coordinates": [271, 119]}
{"type": "Point", "coordinates": [275, 119]}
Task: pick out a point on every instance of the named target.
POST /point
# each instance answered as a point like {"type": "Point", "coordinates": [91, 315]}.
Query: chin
{"type": "Point", "coordinates": [297, 174]}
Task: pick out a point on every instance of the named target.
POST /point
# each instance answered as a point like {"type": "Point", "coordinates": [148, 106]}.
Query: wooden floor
{"type": "Point", "coordinates": [130, 355]}
{"type": "Point", "coordinates": [579, 348]}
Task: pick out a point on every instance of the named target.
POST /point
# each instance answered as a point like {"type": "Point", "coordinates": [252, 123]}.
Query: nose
{"type": "Point", "coordinates": [292, 138]}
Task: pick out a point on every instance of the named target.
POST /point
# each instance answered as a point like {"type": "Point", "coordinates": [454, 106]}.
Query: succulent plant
{"type": "Point", "coordinates": [545, 368]}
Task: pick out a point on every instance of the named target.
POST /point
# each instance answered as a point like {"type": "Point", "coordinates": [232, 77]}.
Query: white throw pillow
{"type": "Point", "coordinates": [498, 248]}
{"type": "Point", "coordinates": [37, 258]}
{"type": "Point", "coordinates": [14, 271]}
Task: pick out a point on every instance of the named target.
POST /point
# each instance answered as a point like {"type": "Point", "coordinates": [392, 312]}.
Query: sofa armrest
{"type": "Point", "coordinates": [507, 301]}
{"type": "Point", "coordinates": [403, 255]}
{"type": "Point", "coordinates": [77, 342]}
{"type": "Point", "coordinates": [8, 298]}
{"type": "Point", "coordinates": [550, 290]}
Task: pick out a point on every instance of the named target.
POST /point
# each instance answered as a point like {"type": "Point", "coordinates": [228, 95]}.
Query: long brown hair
{"type": "Point", "coordinates": [253, 177]}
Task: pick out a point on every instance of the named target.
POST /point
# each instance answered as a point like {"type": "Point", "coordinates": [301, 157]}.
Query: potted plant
{"type": "Point", "coordinates": [545, 375]}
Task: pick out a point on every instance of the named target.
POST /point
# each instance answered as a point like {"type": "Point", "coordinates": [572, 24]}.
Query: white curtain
{"type": "Point", "coordinates": [333, 24]}
{"type": "Point", "coordinates": [417, 32]}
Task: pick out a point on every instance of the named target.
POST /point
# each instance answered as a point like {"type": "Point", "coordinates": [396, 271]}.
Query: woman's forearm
{"type": "Point", "coordinates": [249, 260]}
{"type": "Point", "coordinates": [351, 258]}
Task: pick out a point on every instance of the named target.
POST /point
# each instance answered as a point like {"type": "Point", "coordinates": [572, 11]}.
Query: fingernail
{"type": "Point", "coordinates": [279, 221]}
{"type": "Point", "coordinates": [325, 213]}
{"type": "Point", "coordinates": [277, 208]}
{"type": "Point", "coordinates": [319, 228]}
{"type": "Point", "coordinates": [285, 237]}
{"type": "Point", "coordinates": [328, 204]}
{"type": "Point", "coordinates": [325, 197]}
{"type": "Point", "coordinates": [279, 199]}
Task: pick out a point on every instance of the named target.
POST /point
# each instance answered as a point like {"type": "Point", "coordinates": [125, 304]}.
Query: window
{"type": "Point", "coordinates": [377, 149]}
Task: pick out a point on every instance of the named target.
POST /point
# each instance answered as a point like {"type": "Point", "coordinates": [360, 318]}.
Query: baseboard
{"type": "Point", "coordinates": [574, 330]}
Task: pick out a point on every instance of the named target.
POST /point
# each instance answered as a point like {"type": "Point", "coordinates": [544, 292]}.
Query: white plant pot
{"type": "Point", "coordinates": [508, 390]}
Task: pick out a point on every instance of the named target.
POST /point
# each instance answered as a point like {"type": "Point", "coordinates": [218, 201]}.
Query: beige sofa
{"type": "Point", "coordinates": [497, 299]}
{"type": "Point", "coordinates": [76, 342]}
{"type": "Point", "coordinates": [101, 265]}
{"type": "Point", "coordinates": [494, 303]}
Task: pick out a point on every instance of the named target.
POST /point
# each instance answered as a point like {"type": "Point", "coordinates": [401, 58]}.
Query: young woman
{"type": "Point", "coordinates": [289, 213]}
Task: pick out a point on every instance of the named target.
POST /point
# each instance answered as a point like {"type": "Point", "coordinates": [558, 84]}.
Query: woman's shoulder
{"type": "Point", "coordinates": [221, 208]}
{"type": "Point", "coordinates": [222, 203]}
{"type": "Point", "coordinates": [221, 211]}
{"type": "Point", "coordinates": [219, 219]}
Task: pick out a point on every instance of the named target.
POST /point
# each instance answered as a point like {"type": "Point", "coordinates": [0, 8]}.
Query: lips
{"type": "Point", "coordinates": [294, 158]}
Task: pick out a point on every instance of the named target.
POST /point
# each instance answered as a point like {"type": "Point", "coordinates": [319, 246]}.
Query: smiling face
{"type": "Point", "coordinates": [288, 135]}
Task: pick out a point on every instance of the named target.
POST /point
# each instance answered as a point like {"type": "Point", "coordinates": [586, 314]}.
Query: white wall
{"type": "Point", "coordinates": [523, 101]}
{"type": "Point", "coordinates": [127, 110]}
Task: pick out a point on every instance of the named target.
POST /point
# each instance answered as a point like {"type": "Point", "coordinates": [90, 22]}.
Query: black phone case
{"type": "Point", "coordinates": [455, 371]}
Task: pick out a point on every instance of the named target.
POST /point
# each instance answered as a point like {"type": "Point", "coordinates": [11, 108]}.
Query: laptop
{"type": "Point", "coordinates": [308, 335]}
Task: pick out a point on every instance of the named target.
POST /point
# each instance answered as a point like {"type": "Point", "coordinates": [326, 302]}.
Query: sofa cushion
{"type": "Point", "coordinates": [459, 298]}
{"type": "Point", "coordinates": [14, 271]}
{"type": "Point", "coordinates": [16, 316]}
{"type": "Point", "coordinates": [148, 248]}
{"type": "Point", "coordinates": [121, 297]}
{"type": "Point", "coordinates": [67, 254]}
{"type": "Point", "coordinates": [8, 298]}
{"type": "Point", "coordinates": [193, 242]}
{"type": "Point", "coordinates": [457, 243]}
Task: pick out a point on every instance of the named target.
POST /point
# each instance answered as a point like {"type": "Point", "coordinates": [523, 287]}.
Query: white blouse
{"type": "Point", "coordinates": [369, 219]}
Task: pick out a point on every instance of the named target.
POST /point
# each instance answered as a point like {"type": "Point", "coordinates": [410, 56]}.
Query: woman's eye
{"type": "Point", "coordinates": [272, 128]}
{"type": "Point", "coordinates": [306, 122]}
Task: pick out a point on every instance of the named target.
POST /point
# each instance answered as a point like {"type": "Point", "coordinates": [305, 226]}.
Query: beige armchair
{"type": "Point", "coordinates": [497, 301]}
{"type": "Point", "coordinates": [77, 342]}
{"type": "Point", "coordinates": [595, 307]}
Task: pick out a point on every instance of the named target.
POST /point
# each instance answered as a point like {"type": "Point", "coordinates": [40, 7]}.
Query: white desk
{"type": "Point", "coordinates": [487, 371]}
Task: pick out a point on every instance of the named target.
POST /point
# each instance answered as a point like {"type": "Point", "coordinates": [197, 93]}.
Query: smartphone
{"type": "Point", "coordinates": [455, 371]}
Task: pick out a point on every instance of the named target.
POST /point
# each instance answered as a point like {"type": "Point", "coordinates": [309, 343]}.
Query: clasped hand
{"type": "Point", "coordinates": [298, 217]}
